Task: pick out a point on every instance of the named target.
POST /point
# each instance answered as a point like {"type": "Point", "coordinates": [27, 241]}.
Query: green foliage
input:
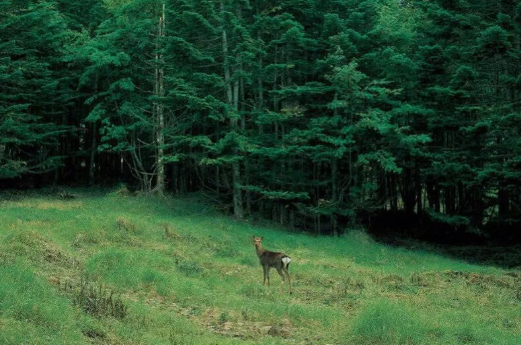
{"type": "Point", "coordinates": [453, 221]}
{"type": "Point", "coordinates": [494, 40]}
{"type": "Point", "coordinates": [346, 108]}
{"type": "Point", "coordinates": [277, 195]}
{"type": "Point", "coordinates": [32, 90]}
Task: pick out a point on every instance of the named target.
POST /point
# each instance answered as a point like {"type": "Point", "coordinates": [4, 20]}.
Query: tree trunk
{"type": "Point", "coordinates": [419, 198]}
{"type": "Point", "coordinates": [232, 93]}
{"type": "Point", "coordinates": [93, 150]}
{"type": "Point", "coordinates": [503, 201]}
{"type": "Point", "coordinates": [334, 193]}
{"type": "Point", "coordinates": [408, 192]}
{"type": "Point", "coordinates": [160, 113]}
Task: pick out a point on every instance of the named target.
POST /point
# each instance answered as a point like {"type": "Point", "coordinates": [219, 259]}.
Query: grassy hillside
{"type": "Point", "coordinates": [113, 269]}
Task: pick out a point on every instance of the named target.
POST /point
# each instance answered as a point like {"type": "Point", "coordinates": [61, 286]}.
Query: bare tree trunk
{"type": "Point", "coordinates": [232, 93]}
{"type": "Point", "coordinates": [94, 148]}
{"type": "Point", "coordinates": [160, 111]}
{"type": "Point", "coordinates": [334, 193]}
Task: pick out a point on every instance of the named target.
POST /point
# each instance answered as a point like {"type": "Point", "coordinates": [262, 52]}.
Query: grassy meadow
{"type": "Point", "coordinates": [105, 268]}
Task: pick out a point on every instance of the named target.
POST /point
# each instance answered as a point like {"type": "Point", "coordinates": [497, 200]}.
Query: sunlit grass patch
{"type": "Point", "coordinates": [31, 311]}
{"type": "Point", "coordinates": [44, 204]}
{"type": "Point", "coordinates": [128, 269]}
{"type": "Point", "coordinates": [388, 323]}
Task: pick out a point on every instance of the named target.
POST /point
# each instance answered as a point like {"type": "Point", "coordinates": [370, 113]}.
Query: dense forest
{"type": "Point", "coordinates": [393, 114]}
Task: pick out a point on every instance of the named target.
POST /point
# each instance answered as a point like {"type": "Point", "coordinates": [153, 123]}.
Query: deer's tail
{"type": "Point", "coordinates": [285, 261]}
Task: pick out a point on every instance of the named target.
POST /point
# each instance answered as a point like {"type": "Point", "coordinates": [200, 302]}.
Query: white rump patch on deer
{"type": "Point", "coordinates": [286, 260]}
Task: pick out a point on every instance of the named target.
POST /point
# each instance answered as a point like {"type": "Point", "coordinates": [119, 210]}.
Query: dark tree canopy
{"type": "Point", "coordinates": [317, 114]}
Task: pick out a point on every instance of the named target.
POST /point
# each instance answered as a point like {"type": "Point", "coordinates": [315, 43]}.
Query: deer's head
{"type": "Point", "coordinates": [257, 241]}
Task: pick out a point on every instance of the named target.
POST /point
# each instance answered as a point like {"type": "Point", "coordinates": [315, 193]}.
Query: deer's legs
{"type": "Point", "coordinates": [289, 279]}
{"type": "Point", "coordinates": [266, 275]}
{"type": "Point", "coordinates": [282, 275]}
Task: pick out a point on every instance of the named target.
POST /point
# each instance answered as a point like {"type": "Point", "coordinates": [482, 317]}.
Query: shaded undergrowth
{"type": "Point", "coordinates": [487, 254]}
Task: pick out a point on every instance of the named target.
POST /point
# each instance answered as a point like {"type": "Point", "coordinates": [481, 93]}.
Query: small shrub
{"type": "Point", "coordinates": [96, 300]}
{"type": "Point", "coordinates": [224, 317]}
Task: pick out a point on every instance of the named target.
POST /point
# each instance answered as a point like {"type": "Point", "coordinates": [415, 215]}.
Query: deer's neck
{"type": "Point", "coordinates": [260, 250]}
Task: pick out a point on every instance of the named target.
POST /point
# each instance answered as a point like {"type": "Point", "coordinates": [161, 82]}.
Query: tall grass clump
{"type": "Point", "coordinates": [388, 323]}
{"type": "Point", "coordinates": [96, 300]}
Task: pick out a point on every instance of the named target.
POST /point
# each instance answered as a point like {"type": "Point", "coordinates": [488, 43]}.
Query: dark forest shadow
{"type": "Point", "coordinates": [480, 254]}
{"type": "Point", "coordinates": [492, 248]}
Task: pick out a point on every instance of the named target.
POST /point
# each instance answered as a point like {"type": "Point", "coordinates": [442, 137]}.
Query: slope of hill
{"type": "Point", "coordinates": [112, 269]}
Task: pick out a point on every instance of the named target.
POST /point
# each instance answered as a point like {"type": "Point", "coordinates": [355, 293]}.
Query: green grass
{"type": "Point", "coordinates": [102, 269]}
{"type": "Point", "coordinates": [31, 311]}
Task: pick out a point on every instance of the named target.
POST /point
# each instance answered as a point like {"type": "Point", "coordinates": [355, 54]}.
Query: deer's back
{"type": "Point", "coordinates": [271, 259]}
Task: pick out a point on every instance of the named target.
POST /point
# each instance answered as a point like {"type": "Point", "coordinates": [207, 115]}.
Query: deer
{"type": "Point", "coordinates": [270, 259]}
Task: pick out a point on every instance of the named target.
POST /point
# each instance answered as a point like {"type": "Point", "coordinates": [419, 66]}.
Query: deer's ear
{"type": "Point", "coordinates": [262, 237]}
{"type": "Point", "coordinates": [253, 236]}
